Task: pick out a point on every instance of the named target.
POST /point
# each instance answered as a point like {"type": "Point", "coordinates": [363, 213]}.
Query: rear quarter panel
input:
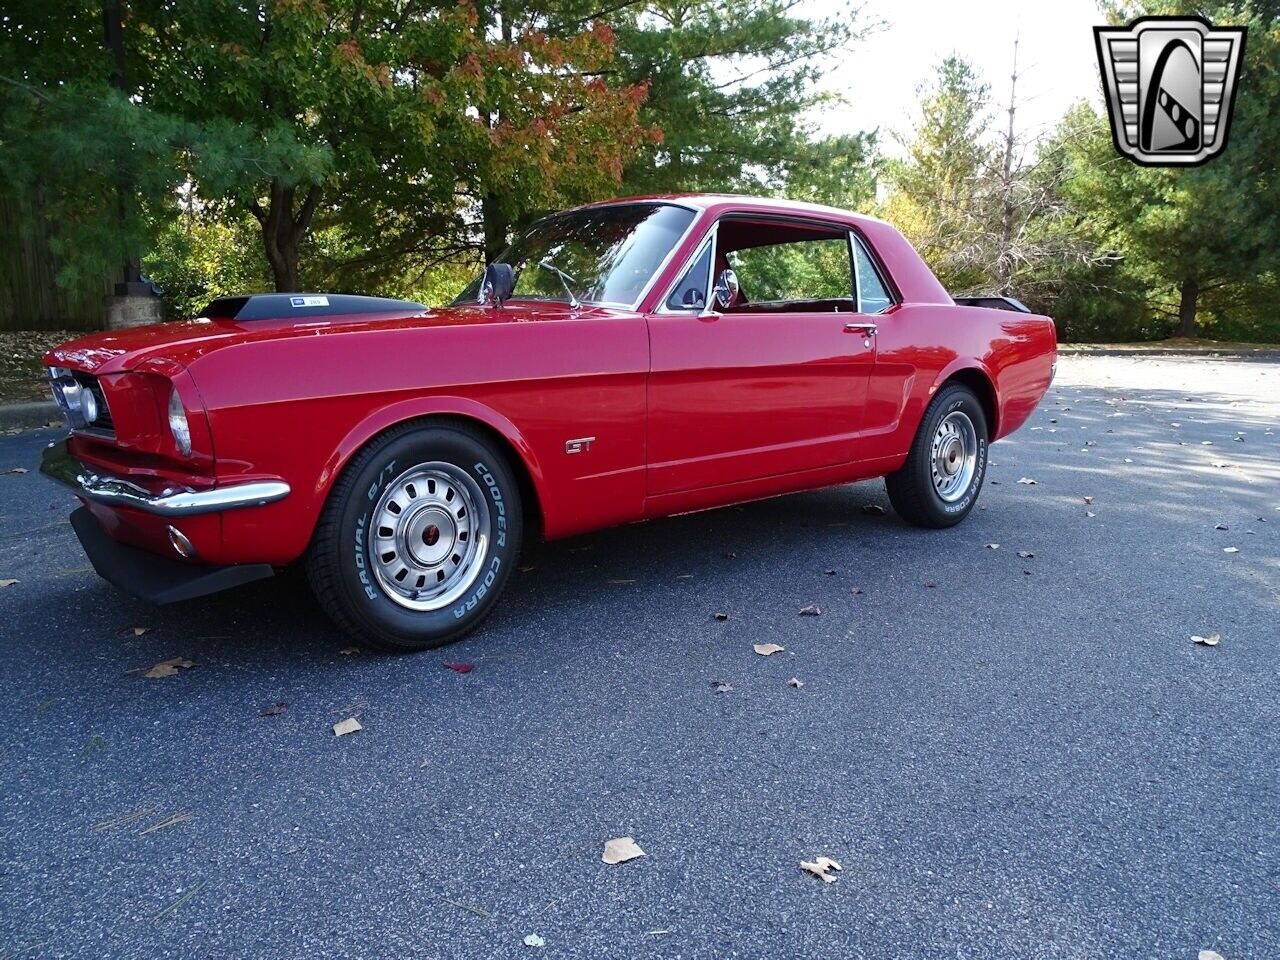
{"type": "Point", "coordinates": [921, 346]}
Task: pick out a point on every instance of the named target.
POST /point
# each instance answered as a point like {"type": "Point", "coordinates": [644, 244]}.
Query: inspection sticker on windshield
{"type": "Point", "coordinates": [309, 301]}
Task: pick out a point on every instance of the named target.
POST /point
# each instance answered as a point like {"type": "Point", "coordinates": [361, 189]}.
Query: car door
{"type": "Point", "coordinates": [771, 384]}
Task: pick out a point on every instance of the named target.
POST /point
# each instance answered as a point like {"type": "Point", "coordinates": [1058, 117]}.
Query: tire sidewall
{"type": "Point", "coordinates": [366, 601]}
{"type": "Point", "coordinates": [953, 399]}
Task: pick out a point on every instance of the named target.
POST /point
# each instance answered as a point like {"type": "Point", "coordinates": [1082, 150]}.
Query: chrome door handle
{"type": "Point", "coordinates": [866, 329]}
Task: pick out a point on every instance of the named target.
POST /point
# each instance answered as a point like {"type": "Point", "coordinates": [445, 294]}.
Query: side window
{"type": "Point", "coordinates": [691, 292]}
{"type": "Point", "coordinates": [873, 296]}
{"type": "Point", "coordinates": [795, 270]}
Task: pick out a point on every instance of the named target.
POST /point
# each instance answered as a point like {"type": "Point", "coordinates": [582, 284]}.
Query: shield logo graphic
{"type": "Point", "coordinates": [1170, 84]}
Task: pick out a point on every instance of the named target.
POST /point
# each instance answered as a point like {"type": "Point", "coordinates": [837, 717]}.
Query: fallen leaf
{"type": "Point", "coordinates": [993, 546]}
{"type": "Point", "coordinates": [1220, 464]}
{"type": "Point", "coordinates": [1088, 499]}
{"type": "Point", "coordinates": [829, 573]}
{"type": "Point", "coordinates": [720, 616]}
{"type": "Point", "coordinates": [1219, 526]}
{"type": "Point", "coordinates": [857, 591]}
{"type": "Point", "coordinates": [533, 940]}
{"type": "Point", "coordinates": [1210, 641]}
{"type": "Point", "coordinates": [1027, 480]}
{"type": "Point", "coordinates": [1090, 513]}
{"type": "Point", "coordinates": [349, 651]}
{"type": "Point", "coordinates": [168, 668]}
{"type": "Point", "coordinates": [721, 686]}
{"type": "Point", "coordinates": [139, 631]}
{"type": "Point", "coordinates": [820, 867]}
{"type": "Point", "coordinates": [1127, 460]}
{"type": "Point", "coordinates": [812, 610]}
{"type": "Point", "coordinates": [16, 470]}
{"type": "Point", "coordinates": [1209, 955]}
{"type": "Point", "coordinates": [620, 850]}
{"type": "Point", "coordinates": [461, 667]}
{"type": "Point", "coordinates": [767, 649]}
{"type": "Point", "coordinates": [795, 682]}
{"type": "Point", "coordinates": [1025, 555]}
{"type": "Point", "coordinates": [7, 583]}
{"type": "Point", "coordinates": [1230, 549]}
{"type": "Point", "coordinates": [930, 584]}
{"type": "Point", "coordinates": [350, 725]}
{"type": "Point", "coordinates": [274, 710]}
{"type": "Point", "coordinates": [872, 509]}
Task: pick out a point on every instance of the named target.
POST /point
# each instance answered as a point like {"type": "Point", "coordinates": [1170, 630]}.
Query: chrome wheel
{"type": "Point", "coordinates": [953, 456]}
{"type": "Point", "coordinates": [430, 538]}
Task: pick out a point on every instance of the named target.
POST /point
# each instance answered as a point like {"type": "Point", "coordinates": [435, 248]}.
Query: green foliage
{"type": "Point", "coordinates": [197, 258]}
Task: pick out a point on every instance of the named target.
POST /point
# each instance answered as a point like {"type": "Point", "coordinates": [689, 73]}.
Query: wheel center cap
{"type": "Point", "coordinates": [431, 536]}
{"type": "Point", "coordinates": [951, 459]}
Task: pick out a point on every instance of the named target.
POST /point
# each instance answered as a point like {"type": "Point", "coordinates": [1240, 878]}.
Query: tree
{"type": "Point", "coordinates": [730, 82]}
{"type": "Point", "coordinates": [1202, 233]}
{"type": "Point", "coordinates": [941, 189]}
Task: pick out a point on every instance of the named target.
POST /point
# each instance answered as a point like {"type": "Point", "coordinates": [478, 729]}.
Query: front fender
{"type": "Point", "coordinates": [416, 408]}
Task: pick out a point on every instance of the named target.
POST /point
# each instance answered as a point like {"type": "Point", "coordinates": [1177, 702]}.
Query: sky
{"type": "Point", "coordinates": [1057, 62]}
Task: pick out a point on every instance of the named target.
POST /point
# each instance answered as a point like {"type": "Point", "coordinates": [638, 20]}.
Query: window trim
{"type": "Point", "coordinates": [802, 222]}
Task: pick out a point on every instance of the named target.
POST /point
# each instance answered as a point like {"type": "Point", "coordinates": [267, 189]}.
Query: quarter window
{"type": "Point", "coordinates": [873, 296]}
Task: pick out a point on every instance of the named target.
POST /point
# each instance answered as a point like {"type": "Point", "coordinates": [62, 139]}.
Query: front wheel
{"type": "Point", "coordinates": [940, 482]}
{"type": "Point", "coordinates": [417, 538]}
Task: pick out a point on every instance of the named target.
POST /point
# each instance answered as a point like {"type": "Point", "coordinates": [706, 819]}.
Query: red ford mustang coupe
{"type": "Point", "coordinates": [621, 361]}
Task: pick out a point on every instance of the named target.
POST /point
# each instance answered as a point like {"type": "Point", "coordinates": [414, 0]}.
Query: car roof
{"type": "Point", "coordinates": [707, 201]}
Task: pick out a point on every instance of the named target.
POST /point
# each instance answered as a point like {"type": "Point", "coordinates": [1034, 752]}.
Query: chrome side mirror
{"type": "Point", "coordinates": [726, 289]}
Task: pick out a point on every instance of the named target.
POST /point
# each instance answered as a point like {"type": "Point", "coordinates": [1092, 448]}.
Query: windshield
{"type": "Point", "coordinates": [601, 255]}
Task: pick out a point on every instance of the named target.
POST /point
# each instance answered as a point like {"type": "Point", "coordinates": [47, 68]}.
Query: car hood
{"type": "Point", "coordinates": [184, 341]}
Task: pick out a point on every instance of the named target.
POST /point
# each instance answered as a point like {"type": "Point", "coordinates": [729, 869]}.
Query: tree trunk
{"type": "Point", "coordinates": [1187, 307]}
{"type": "Point", "coordinates": [495, 228]}
{"type": "Point", "coordinates": [283, 230]}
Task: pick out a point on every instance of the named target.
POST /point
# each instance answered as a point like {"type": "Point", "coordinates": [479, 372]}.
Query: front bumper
{"type": "Point", "coordinates": [59, 464]}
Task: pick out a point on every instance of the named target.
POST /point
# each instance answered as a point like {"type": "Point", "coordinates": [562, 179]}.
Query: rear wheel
{"type": "Point", "coordinates": [940, 482]}
{"type": "Point", "coordinates": [417, 538]}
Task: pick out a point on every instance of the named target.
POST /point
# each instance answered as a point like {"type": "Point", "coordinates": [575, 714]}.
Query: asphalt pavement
{"type": "Point", "coordinates": [1010, 756]}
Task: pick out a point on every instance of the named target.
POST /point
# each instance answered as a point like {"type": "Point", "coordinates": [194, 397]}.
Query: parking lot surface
{"type": "Point", "coordinates": [1013, 751]}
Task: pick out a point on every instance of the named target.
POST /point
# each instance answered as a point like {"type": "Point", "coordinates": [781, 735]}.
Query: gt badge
{"type": "Point", "coordinates": [1170, 83]}
{"type": "Point", "coordinates": [581, 445]}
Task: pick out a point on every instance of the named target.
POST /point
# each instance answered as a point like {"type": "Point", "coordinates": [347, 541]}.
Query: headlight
{"type": "Point", "coordinates": [178, 425]}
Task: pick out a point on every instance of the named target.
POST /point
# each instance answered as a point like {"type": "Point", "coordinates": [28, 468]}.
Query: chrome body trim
{"type": "Point", "coordinates": [58, 464]}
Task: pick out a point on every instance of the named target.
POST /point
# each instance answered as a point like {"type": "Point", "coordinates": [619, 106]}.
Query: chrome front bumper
{"type": "Point", "coordinates": [176, 501]}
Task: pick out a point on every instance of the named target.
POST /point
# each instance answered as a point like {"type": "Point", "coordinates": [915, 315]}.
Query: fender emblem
{"type": "Point", "coordinates": [581, 445]}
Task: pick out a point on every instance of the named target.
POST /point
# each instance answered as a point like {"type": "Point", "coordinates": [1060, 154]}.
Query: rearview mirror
{"type": "Point", "coordinates": [726, 289]}
{"type": "Point", "coordinates": [498, 283]}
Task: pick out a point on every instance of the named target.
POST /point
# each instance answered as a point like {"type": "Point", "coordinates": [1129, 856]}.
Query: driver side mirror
{"type": "Point", "coordinates": [498, 284]}
{"type": "Point", "coordinates": [726, 289]}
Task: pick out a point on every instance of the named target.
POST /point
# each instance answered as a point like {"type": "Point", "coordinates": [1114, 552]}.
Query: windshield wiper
{"type": "Point", "coordinates": [565, 280]}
